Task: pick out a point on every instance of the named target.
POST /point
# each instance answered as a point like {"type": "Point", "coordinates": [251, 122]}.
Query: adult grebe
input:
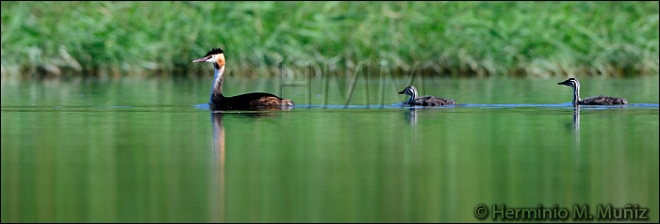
{"type": "Point", "coordinates": [424, 100]}
{"type": "Point", "coordinates": [596, 100]}
{"type": "Point", "coordinates": [256, 100]}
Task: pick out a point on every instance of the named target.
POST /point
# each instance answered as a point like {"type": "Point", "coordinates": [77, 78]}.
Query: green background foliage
{"type": "Point", "coordinates": [528, 39]}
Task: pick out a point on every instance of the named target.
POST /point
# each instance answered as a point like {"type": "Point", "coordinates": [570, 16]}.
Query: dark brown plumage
{"type": "Point", "coordinates": [424, 100]}
{"type": "Point", "coordinates": [604, 100]}
{"type": "Point", "coordinates": [248, 101]}
{"type": "Point", "coordinates": [596, 100]}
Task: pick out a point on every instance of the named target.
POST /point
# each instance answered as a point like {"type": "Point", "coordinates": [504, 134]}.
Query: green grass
{"type": "Point", "coordinates": [527, 39]}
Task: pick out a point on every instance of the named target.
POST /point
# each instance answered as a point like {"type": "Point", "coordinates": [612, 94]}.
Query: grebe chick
{"type": "Point", "coordinates": [424, 100]}
{"type": "Point", "coordinates": [256, 100]}
{"type": "Point", "coordinates": [596, 100]}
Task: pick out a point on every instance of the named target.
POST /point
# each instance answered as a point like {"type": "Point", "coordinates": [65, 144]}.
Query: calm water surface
{"type": "Point", "coordinates": [149, 150]}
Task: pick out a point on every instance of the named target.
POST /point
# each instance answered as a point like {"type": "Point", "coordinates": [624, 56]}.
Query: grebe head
{"type": "Point", "coordinates": [572, 82]}
{"type": "Point", "coordinates": [215, 56]}
{"type": "Point", "coordinates": [409, 90]}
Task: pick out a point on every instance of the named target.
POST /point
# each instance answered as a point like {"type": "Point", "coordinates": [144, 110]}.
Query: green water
{"type": "Point", "coordinates": [148, 150]}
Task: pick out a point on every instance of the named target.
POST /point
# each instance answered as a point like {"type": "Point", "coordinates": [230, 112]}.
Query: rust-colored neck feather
{"type": "Point", "coordinates": [219, 61]}
{"type": "Point", "coordinates": [216, 90]}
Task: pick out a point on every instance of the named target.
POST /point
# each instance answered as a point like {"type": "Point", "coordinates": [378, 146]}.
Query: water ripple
{"type": "Point", "coordinates": [175, 108]}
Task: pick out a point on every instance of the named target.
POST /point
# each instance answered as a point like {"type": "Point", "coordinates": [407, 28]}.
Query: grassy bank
{"type": "Point", "coordinates": [441, 38]}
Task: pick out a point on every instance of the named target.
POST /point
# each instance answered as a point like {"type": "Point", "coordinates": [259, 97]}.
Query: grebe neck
{"type": "Point", "coordinates": [576, 94]}
{"type": "Point", "coordinates": [413, 96]}
{"type": "Point", "coordinates": [218, 78]}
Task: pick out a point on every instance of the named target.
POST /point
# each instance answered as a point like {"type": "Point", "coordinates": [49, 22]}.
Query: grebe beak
{"type": "Point", "coordinates": [402, 91]}
{"type": "Point", "coordinates": [202, 59]}
{"type": "Point", "coordinates": [565, 83]}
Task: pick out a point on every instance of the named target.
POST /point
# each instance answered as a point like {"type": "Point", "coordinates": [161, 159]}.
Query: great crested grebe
{"type": "Point", "coordinates": [424, 100]}
{"type": "Point", "coordinates": [596, 100]}
{"type": "Point", "coordinates": [256, 100]}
